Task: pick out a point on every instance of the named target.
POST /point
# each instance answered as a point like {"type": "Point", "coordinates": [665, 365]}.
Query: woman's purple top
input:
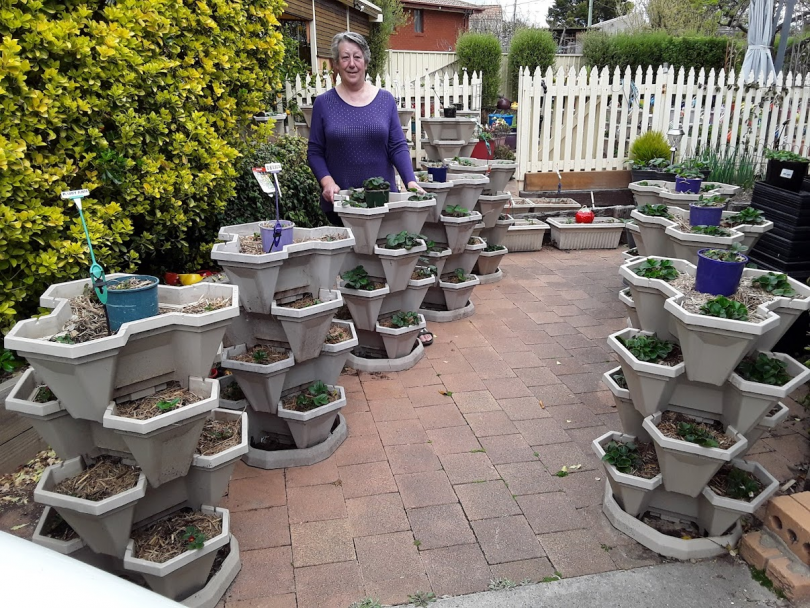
{"type": "Point", "coordinates": [353, 143]}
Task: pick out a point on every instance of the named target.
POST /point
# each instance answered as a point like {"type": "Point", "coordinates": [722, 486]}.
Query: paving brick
{"type": "Point", "coordinates": [355, 402]}
{"type": "Point", "coordinates": [416, 458]}
{"type": "Point", "coordinates": [632, 556]}
{"type": "Point", "coordinates": [519, 360]}
{"type": "Point", "coordinates": [584, 489]}
{"type": "Point", "coordinates": [775, 464]}
{"type": "Point", "coordinates": [457, 570]}
{"type": "Point", "coordinates": [595, 354]}
{"type": "Point", "coordinates": [524, 408]}
{"type": "Point", "coordinates": [535, 338]}
{"type": "Point", "coordinates": [401, 432]}
{"type": "Point", "coordinates": [350, 382]}
{"type": "Point", "coordinates": [453, 440]}
{"type": "Point", "coordinates": [487, 499]}
{"type": "Point", "coordinates": [529, 478]}
{"type": "Point", "coordinates": [391, 409]}
{"type": "Point", "coordinates": [364, 448]}
{"type": "Point", "coordinates": [321, 542]}
{"type": "Point", "coordinates": [360, 423]}
{"type": "Point", "coordinates": [537, 376]}
{"type": "Point", "coordinates": [507, 539]}
{"type": "Point", "coordinates": [329, 585]}
{"type": "Point", "coordinates": [261, 528]}
{"type": "Point", "coordinates": [452, 364]}
{"type": "Point", "coordinates": [273, 601]}
{"type": "Point", "coordinates": [425, 489]}
{"type": "Point", "coordinates": [554, 394]}
{"type": "Point", "coordinates": [583, 383]}
{"type": "Point", "coordinates": [423, 396]}
{"type": "Point", "coordinates": [243, 471]}
{"type": "Point", "coordinates": [388, 556]}
{"type": "Point", "coordinates": [793, 578]}
{"type": "Point", "coordinates": [551, 512]}
{"type": "Point", "coordinates": [316, 503]}
{"type": "Point", "coordinates": [396, 590]}
{"type": "Point", "coordinates": [313, 475]}
{"type": "Point", "coordinates": [512, 345]}
{"type": "Point", "coordinates": [504, 449]}
{"type": "Point", "coordinates": [556, 456]}
{"type": "Point", "coordinates": [485, 424]}
{"type": "Point", "coordinates": [367, 479]}
{"type": "Point", "coordinates": [440, 526]}
{"type": "Point", "coordinates": [507, 388]}
{"type": "Point", "coordinates": [265, 572]}
{"type": "Point", "coordinates": [533, 570]}
{"type": "Point", "coordinates": [440, 416]}
{"type": "Point", "coordinates": [794, 448]}
{"type": "Point", "coordinates": [256, 492]}
{"type": "Point", "coordinates": [542, 432]}
{"type": "Point", "coordinates": [468, 467]}
{"type": "Point", "coordinates": [573, 416]}
{"type": "Point", "coordinates": [418, 377]}
{"type": "Point", "coordinates": [576, 553]}
{"type": "Point", "coordinates": [384, 389]}
{"type": "Point", "coordinates": [542, 318]}
{"type": "Point", "coordinates": [757, 548]}
{"type": "Point", "coordinates": [600, 402]}
{"type": "Point", "coordinates": [475, 401]}
{"type": "Point", "coordinates": [377, 514]}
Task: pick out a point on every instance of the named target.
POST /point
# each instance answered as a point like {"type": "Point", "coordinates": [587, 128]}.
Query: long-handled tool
{"type": "Point", "coordinates": [268, 188]}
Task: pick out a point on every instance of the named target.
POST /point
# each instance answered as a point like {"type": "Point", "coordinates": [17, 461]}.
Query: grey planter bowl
{"type": "Point", "coordinates": [632, 493]}
{"type": "Point", "coordinates": [456, 295]}
{"type": "Point", "coordinates": [467, 187]}
{"type": "Point", "coordinates": [185, 574]}
{"type": "Point", "coordinates": [488, 261]}
{"type": "Point", "coordinates": [364, 305]}
{"type": "Point", "coordinates": [260, 383]}
{"type": "Point", "coordinates": [632, 420]}
{"type": "Point", "coordinates": [164, 446]}
{"type": "Point", "coordinates": [65, 547]}
{"type": "Point", "coordinates": [478, 165]}
{"type": "Point", "coordinates": [399, 341]}
{"type": "Point", "coordinates": [225, 381]}
{"type": "Point", "coordinates": [652, 231]}
{"type": "Point", "coordinates": [500, 172]}
{"type": "Point", "coordinates": [788, 309]}
{"type": "Point", "coordinates": [69, 437]}
{"type": "Point", "coordinates": [497, 234]}
{"type": "Point", "coordinates": [306, 110]}
{"type": "Point", "coordinates": [410, 298]}
{"type": "Point", "coordinates": [525, 235]}
{"type": "Point", "coordinates": [86, 377]}
{"type": "Point", "coordinates": [364, 223]}
{"type": "Point", "coordinates": [491, 206]}
{"type": "Point", "coordinates": [647, 195]}
{"type": "Point", "coordinates": [458, 230]}
{"type": "Point", "coordinates": [436, 150]}
{"type": "Point", "coordinates": [398, 264]}
{"type": "Point", "coordinates": [686, 466]}
{"type": "Point", "coordinates": [712, 347]}
{"type": "Point", "coordinates": [437, 258]}
{"type": "Point", "coordinates": [327, 366]}
{"type": "Point", "coordinates": [767, 424]}
{"type": "Point", "coordinates": [404, 214]}
{"type": "Point", "coordinates": [626, 298]}
{"type": "Point", "coordinates": [439, 190]}
{"type": "Point", "coordinates": [718, 513]}
{"type": "Point", "coordinates": [405, 116]}
{"type": "Point", "coordinates": [103, 525]}
{"type": "Point", "coordinates": [466, 259]}
{"type": "Point", "coordinates": [448, 128]}
{"type": "Point", "coordinates": [603, 233]}
{"type": "Point", "coordinates": [208, 477]}
{"type": "Point", "coordinates": [746, 403]}
{"type": "Point", "coordinates": [685, 245]}
{"type": "Point", "coordinates": [313, 427]}
{"type": "Point", "coordinates": [639, 240]}
{"type": "Point", "coordinates": [751, 232]}
{"type": "Point", "coordinates": [651, 385]}
{"type": "Point", "coordinates": [306, 328]}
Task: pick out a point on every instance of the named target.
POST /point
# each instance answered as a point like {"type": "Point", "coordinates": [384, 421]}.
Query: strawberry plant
{"type": "Point", "coordinates": [358, 199]}
{"type": "Point", "coordinates": [655, 211]}
{"type": "Point", "coordinates": [657, 269]}
{"type": "Point", "coordinates": [749, 215]}
{"type": "Point", "coordinates": [723, 308]}
{"type": "Point", "coordinates": [709, 231]}
{"type": "Point", "coordinates": [193, 537]}
{"type": "Point", "coordinates": [732, 254]}
{"type": "Point", "coordinates": [260, 356]}
{"type": "Point", "coordinates": [774, 283]}
{"type": "Point", "coordinates": [167, 405]}
{"type": "Point", "coordinates": [402, 240]}
{"type": "Point", "coordinates": [456, 211]}
{"type": "Point", "coordinates": [764, 370]}
{"type": "Point", "coordinates": [623, 456]}
{"type": "Point", "coordinates": [694, 433]}
{"type": "Point", "coordinates": [490, 248]}
{"type": "Point", "coordinates": [316, 395]}
{"type": "Point", "coordinates": [741, 485]}
{"type": "Point", "coordinates": [358, 278]}
{"type": "Point", "coordinates": [404, 319]}
{"type": "Point", "coordinates": [648, 348]}
{"type": "Point", "coordinates": [424, 272]}
{"type": "Point", "coordinates": [376, 184]}
{"type": "Point", "coordinates": [710, 201]}
{"type": "Point", "coordinates": [44, 395]}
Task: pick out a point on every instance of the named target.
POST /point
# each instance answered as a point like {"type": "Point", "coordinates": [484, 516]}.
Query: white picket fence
{"type": "Point", "coordinates": [584, 121]}
{"type": "Point", "coordinates": [426, 96]}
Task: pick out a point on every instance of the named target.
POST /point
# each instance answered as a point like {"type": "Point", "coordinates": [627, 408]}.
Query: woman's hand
{"type": "Point", "coordinates": [416, 186]}
{"type": "Point", "coordinates": [330, 189]}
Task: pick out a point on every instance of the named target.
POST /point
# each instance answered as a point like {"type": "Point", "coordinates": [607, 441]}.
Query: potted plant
{"type": "Point", "coordinates": [691, 450]}
{"type": "Point", "coordinates": [467, 188]}
{"type": "Point", "coordinates": [260, 372]}
{"type": "Point", "coordinates": [500, 172]}
{"type": "Point", "coordinates": [707, 211]}
{"type": "Point", "coordinates": [630, 417]}
{"type": "Point", "coordinates": [497, 234]}
{"type": "Point", "coordinates": [790, 299]}
{"type": "Point", "coordinates": [399, 254]}
{"type": "Point", "coordinates": [398, 332]}
{"type": "Point", "coordinates": [750, 222]}
{"type": "Point", "coordinates": [467, 259]}
{"type": "Point", "coordinates": [489, 259]}
{"type": "Point", "coordinates": [364, 296]}
{"type": "Point", "coordinates": [652, 222]}
{"type": "Point", "coordinates": [457, 287]}
{"type": "Point", "coordinates": [632, 477]}
{"type": "Point", "coordinates": [491, 206]}
{"type": "Point", "coordinates": [376, 191]}
{"type": "Point", "coordinates": [719, 270]}
{"type": "Point", "coordinates": [649, 280]}
{"type": "Point", "coordinates": [785, 169]}
{"type": "Point", "coordinates": [455, 228]}
{"type": "Point", "coordinates": [603, 233]}
{"type": "Point", "coordinates": [310, 412]}
{"type": "Point", "coordinates": [466, 164]}
{"type": "Point", "coordinates": [647, 192]}
{"type": "Point", "coordinates": [176, 553]}
{"type": "Point", "coordinates": [688, 180]}
{"type": "Point", "coordinates": [525, 235]}
{"type": "Point", "coordinates": [436, 170]}
{"type": "Point", "coordinates": [131, 298]}
{"type": "Point", "coordinates": [276, 235]}
{"type": "Point", "coordinates": [686, 242]}
{"type": "Point", "coordinates": [305, 320]}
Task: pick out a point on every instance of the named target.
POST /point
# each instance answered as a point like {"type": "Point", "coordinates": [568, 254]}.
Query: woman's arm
{"type": "Point", "coordinates": [316, 153]}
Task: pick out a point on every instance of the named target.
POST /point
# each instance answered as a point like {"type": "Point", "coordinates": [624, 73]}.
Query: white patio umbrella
{"type": "Point", "coordinates": [758, 56]}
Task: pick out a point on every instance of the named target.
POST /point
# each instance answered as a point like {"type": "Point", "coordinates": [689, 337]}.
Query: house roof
{"type": "Point", "coordinates": [490, 12]}
{"type": "Point", "coordinates": [450, 5]}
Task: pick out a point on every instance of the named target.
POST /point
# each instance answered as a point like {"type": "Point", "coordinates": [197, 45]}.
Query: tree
{"type": "Point", "coordinates": [482, 53]}
{"type": "Point", "coordinates": [574, 13]}
{"type": "Point", "coordinates": [393, 18]}
{"type": "Point", "coordinates": [531, 48]}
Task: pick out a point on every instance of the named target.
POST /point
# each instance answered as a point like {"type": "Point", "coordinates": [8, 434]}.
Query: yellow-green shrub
{"type": "Point", "coordinates": [145, 103]}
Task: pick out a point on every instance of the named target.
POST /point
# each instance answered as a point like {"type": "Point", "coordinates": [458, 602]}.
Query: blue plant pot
{"type": "Point", "coordinates": [125, 305]}
{"type": "Point", "coordinates": [688, 186]}
{"type": "Point", "coordinates": [268, 236]}
{"type": "Point", "coordinates": [705, 216]}
{"type": "Point", "coordinates": [716, 277]}
{"type": "Point", "coordinates": [439, 173]}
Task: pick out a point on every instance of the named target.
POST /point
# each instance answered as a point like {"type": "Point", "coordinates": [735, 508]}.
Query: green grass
{"type": "Point", "coordinates": [760, 577]}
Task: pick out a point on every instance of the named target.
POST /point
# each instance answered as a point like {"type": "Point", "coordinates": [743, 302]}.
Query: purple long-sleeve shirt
{"type": "Point", "coordinates": [353, 143]}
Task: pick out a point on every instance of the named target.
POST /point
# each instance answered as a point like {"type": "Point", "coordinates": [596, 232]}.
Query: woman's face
{"type": "Point", "coordinates": [351, 64]}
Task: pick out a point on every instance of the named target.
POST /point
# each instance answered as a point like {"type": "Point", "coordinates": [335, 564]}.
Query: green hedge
{"type": "Point", "coordinates": [654, 49]}
{"type": "Point", "coordinates": [532, 48]}
{"type": "Point", "coordinates": [482, 53]}
{"type": "Point", "coordinates": [145, 103]}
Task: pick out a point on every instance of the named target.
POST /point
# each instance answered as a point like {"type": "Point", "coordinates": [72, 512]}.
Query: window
{"type": "Point", "coordinates": [418, 22]}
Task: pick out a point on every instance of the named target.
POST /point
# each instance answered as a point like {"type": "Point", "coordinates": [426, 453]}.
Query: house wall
{"type": "Point", "coordinates": [330, 19]}
{"type": "Point", "coordinates": [300, 9]}
{"type": "Point", "coordinates": [441, 28]}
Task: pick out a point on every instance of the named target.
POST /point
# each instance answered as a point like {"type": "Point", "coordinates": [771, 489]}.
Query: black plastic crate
{"type": "Point", "coordinates": [784, 249]}
{"type": "Point", "coordinates": [796, 204]}
{"type": "Point", "coordinates": [780, 217]}
{"type": "Point", "coordinates": [798, 270]}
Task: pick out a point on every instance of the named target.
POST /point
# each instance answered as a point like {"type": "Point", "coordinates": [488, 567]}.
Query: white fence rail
{"type": "Point", "coordinates": [426, 96]}
{"type": "Point", "coordinates": [410, 65]}
{"type": "Point", "coordinates": [584, 121]}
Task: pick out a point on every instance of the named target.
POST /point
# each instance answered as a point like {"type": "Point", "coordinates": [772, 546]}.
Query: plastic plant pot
{"type": "Point", "coordinates": [705, 216]}
{"type": "Point", "coordinates": [268, 240]}
{"type": "Point", "coordinates": [688, 186]}
{"type": "Point", "coordinates": [125, 305]}
{"type": "Point", "coordinates": [377, 198]}
{"type": "Point", "coordinates": [787, 175]}
{"type": "Point", "coordinates": [439, 174]}
{"type": "Point", "coordinates": [449, 112]}
{"type": "Point", "coordinates": [716, 277]}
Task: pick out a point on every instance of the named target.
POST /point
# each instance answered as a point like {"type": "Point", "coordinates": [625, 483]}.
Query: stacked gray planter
{"type": "Point", "coordinates": [91, 380]}
{"type": "Point", "coordinates": [311, 265]}
{"type": "Point", "coordinates": [704, 387]}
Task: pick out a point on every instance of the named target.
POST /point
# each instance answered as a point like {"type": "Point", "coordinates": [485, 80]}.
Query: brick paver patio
{"type": "Point", "coordinates": [445, 492]}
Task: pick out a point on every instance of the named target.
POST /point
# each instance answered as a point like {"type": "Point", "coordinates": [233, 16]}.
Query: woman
{"type": "Point", "coordinates": [355, 132]}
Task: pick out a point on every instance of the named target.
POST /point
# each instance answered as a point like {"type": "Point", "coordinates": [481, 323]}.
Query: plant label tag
{"type": "Point", "coordinates": [265, 181]}
{"type": "Point", "coordinates": [74, 193]}
{"type": "Point", "coordinates": [786, 173]}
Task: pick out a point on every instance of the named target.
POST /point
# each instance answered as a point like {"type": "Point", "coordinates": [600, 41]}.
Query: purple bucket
{"type": "Point", "coordinates": [688, 186]}
{"type": "Point", "coordinates": [705, 216]}
{"type": "Point", "coordinates": [716, 277]}
{"type": "Point", "coordinates": [269, 243]}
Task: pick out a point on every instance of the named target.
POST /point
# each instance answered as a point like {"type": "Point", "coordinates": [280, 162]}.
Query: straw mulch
{"type": "Point", "coordinates": [748, 295]}
{"type": "Point", "coordinates": [146, 407]}
{"type": "Point", "coordinates": [165, 539]}
{"type": "Point", "coordinates": [88, 322]}
{"type": "Point", "coordinates": [219, 435]}
{"type": "Point", "coordinates": [337, 334]}
{"type": "Point", "coordinates": [669, 427]}
{"type": "Point", "coordinates": [274, 355]}
{"type": "Point", "coordinates": [251, 245]}
{"type": "Point", "coordinates": [649, 461]}
{"type": "Point", "coordinates": [106, 478]}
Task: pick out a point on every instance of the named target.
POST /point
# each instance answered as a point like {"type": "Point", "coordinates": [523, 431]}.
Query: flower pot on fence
{"type": "Point", "coordinates": [456, 295]}
{"type": "Point", "coordinates": [632, 419]}
{"type": "Point", "coordinates": [208, 477]}
{"type": "Point", "coordinates": [712, 347]}
{"type": "Point", "coordinates": [700, 215]}
{"type": "Point", "coordinates": [651, 384]}
{"type": "Point", "coordinates": [488, 261]}
{"type": "Point", "coordinates": [784, 174]}
{"type": "Point", "coordinates": [631, 492]}
{"type": "Point", "coordinates": [399, 341]}
{"type": "Point", "coordinates": [688, 185]}
{"type": "Point", "coordinates": [500, 172]}
{"type": "Point", "coordinates": [274, 239]}
{"type": "Point", "coordinates": [306, 328]}
{"type": "Point", "coordinates": [603, 233]}
{"type": "Point", "coordinates": [717, 277]}
{"type": "Point", "coordinates": [325, 367]}
{"type": "Point", "coordinates": [186, 573]}
{"type": "Point", "coordinates": [398, 264]}
{"type": "Point", "coordinates": [686, 245]}
{"type": "Point", "coordinates": [364, 305]}
{"type": "Point", "coordinates": [103, 525]}
{"type": "Point", "coordinates": [688, 467]}
{"type": "Point", "coordinates": [312, 427]}
{"type": "Point", "coordinates": [164, 445]}
{"type": "Point", "coordinates": [716, 513]}
{"type": "Point", "coordinates": [525, 235]}
{"type": "Point", "coordinates": [261, 383]}
{"type": "Point", "coordinates": [131, 304]}
{"type": "Point", "coordinates": [652, 233]}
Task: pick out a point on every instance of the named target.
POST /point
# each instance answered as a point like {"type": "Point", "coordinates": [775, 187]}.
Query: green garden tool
{"type": "Point", "coordinates": [96, 271]}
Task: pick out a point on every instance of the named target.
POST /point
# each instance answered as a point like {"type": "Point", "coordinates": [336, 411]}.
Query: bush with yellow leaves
{"type": "Point", "coordinates": [147, 104]}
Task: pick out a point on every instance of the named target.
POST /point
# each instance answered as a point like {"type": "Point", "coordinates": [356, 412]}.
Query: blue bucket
{"type": "Point", "coordinates": [716, 277]}
{"type": "Point", "coordinates": [439, 173]}
{"type": "Point", "coordinates": [688, 186]}
{"type": "Point", "coordinates": [268, 237]}
{"type": "Point", "coordinates": [125, 305]}
{"type": "Point", "coordinates": [705, 216]}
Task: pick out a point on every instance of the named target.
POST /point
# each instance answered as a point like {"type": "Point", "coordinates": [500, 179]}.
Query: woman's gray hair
{"type": "Point", "coordinates": [354, 38]}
